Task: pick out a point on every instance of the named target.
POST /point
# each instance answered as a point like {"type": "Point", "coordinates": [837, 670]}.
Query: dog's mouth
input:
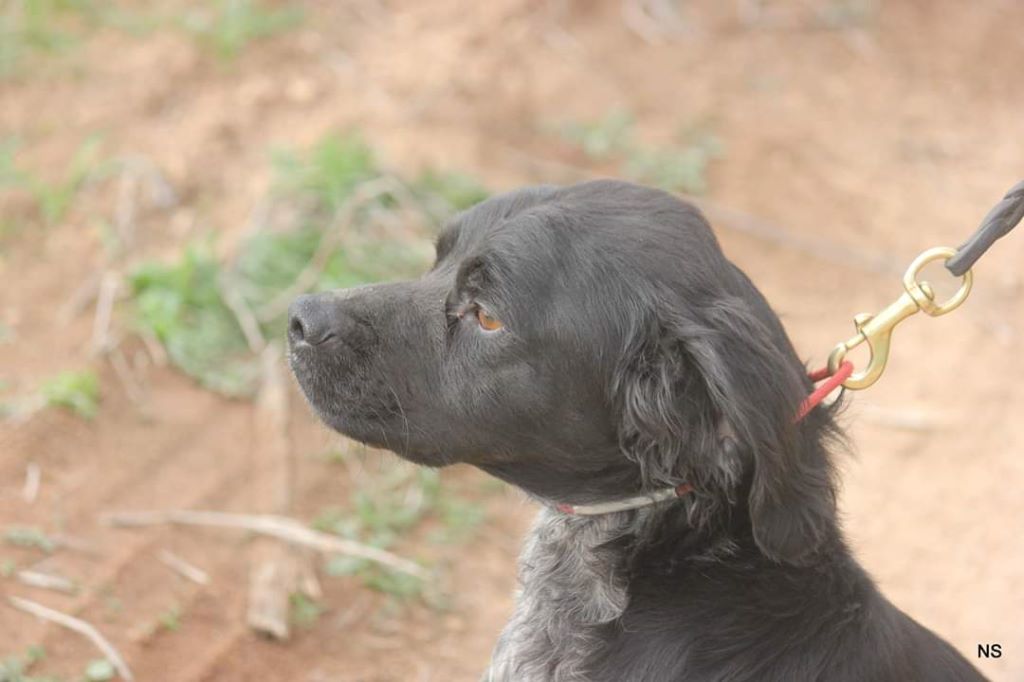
{"type": "Point", "coordinates": [350, 397]}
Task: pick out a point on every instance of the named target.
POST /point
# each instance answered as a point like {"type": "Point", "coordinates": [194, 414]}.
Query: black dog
{"type": "Point", "coordinates": [590, 344]}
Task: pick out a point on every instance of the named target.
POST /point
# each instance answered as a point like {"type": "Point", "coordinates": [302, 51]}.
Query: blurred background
{"type": "Point", "coordinates": [172, 173]}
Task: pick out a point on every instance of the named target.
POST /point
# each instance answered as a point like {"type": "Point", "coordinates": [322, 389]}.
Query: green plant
{"type": "Point", "coordinates": [182, 305]}
{"type": "Point", "coordinates": [32, 27]}
{"type": "Point", "coordinates": [30, 537]}
{"type": "Point", "coordinates": [680, 167]}
{"type": "Point", "coordinates": [50, 199]}
{"type": "Point", "coordinates": [333, 456]}
{"type": "Point", "coordinates": [604, 138]}
{"type": "Point", "coordinates": [75, 391]}
{"type": "Point", "coordinates": [16, 668]}
{"type": "Point", "coordinates": [228, 26]}
{"type": "Point", "coordinates": [326, 173]}
{"type": "Point", "coordinates": [457, 191]}
{"type": "Point", "coordinates": [459, 519]}
{"type": "Point", "coordinates": [303, 611]}
{"type": "Point", "coordinates": [35, 654]}
{"type": "Point", "coordinates": [839, 14]}
{"type": "Point", "coordinates": [395, 583]}
{"type": "Point", "coordinates": [100, 670]}
{"type": "Point", "coordinates": [393, 503]}
{"type": "Point", "coordinates": [170, 619]}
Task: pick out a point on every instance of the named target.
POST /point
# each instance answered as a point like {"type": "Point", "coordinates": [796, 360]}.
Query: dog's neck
{"type": "Point", "coordinates": [574, 574]}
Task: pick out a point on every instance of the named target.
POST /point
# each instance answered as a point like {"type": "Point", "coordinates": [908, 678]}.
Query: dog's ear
{"type": "Point", "coordinates": [711, 399]}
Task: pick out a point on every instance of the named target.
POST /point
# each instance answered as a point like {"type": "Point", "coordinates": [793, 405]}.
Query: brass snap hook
{"type": "Point", "coordinates": [876, 330]}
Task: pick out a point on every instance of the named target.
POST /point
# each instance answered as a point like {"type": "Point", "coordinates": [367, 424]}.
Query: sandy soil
{"type": "Point", "coordinates": [856, 148]}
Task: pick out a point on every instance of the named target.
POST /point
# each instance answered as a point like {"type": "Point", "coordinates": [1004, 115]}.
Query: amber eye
{"type": "Point", "coordinates": [488, 323]}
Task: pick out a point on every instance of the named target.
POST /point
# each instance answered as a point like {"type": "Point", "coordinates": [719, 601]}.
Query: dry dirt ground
{"type": "Point", "coordinates": [864, 144]}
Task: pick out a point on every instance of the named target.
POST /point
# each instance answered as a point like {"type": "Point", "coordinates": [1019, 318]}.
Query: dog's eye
{"type": "Point", "coordinates": [487, 322]}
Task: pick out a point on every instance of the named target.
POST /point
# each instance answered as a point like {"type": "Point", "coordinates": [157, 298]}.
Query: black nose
{"type": "Point", "coordinates": [310, 321]}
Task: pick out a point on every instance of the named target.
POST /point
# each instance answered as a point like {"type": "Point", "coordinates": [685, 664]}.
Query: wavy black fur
{"type": "Point", "coordinates": [634, 356]}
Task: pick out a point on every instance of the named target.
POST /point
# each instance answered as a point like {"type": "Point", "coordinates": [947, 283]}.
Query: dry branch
{"type": "Point", "coordinates": [155, 349]}
{"type": "Point", "coordinates": [76, 625]}
{"type": "Point", "coordinates": [109, 284]}
{"type": "Point", "coordinates": [280, 527]}
{"type": "Point", "coordinates": [126, 376]}
{"type": "Point", "coordinates": [654, 21]}
{"type": "Point", "coordinates": [271, 425]}
{"type": "Point", "coordinates": [903, 419]}
{"type": "Point", "coordinates": [46, 581]}
{"type": "Point", "coordinates": [79, 299]}
{"type": "Point", "coordinates": [249, 325]}
{"type": "Point", "coordinates": [184, 568]}
{"type": "Point", "coordinates": [275, 573]}
{"type": "Point", "coordinates": [272, 581]}
{"type": "Point", "coordinates": [33, 475]}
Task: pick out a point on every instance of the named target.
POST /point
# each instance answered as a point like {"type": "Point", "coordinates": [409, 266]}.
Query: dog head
{"type": "Point", "coordinates": [583, 343]}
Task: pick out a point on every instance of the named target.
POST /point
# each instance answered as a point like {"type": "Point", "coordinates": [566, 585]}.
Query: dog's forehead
{"type": "Point", "coordinates": [504, 215]}
{"type": "Point", "coordinates": [606, 238]}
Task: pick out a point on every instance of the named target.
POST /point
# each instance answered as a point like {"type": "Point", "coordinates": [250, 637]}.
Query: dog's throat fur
{"type": "Point", "coordinates": [571, 582]}
{"type": "Point", "coordinates": [574, 577]}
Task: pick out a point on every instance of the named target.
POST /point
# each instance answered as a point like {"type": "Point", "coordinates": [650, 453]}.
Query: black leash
{"type": "Point", "coordinates": [998, 223]}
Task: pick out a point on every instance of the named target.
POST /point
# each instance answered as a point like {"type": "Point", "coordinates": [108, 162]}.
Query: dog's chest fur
{"type": "Point", "coordinates": [572, 582]}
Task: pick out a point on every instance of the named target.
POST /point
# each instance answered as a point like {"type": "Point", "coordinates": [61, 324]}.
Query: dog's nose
{"type": "Point", "coordinates": [309, 321]}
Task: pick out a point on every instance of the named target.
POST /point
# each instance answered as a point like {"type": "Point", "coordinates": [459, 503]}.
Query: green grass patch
{"type": "Point", "coordinates": [182, 305]}
{"type": "Point", "coordinates": [50, 199]}
{"type": "Point", "coordinates": [844, 14]}
{"type": "Point", "coordinates": [99, 670]}
{"type": "Point", "coordinates": [394, 503]}
{"type": "Point", "coordinates": [227, 27]}
{"type": "Point", "coordinates": [29, 537]}
{"type": "Point", "coordinates": [450, 190]}
{"type": "Point", "coordinates": [335, 232]}
{"type": "Point", "coordinates": [681, 166]}
{"type": "Point", "coordinates": [31, 29]}
{"type": "Point", "coordinates": [17, 668]}
{"type": "Point", "coordinates": [170, 619]}
{"type": "Point", "coordinates": [303, 611]}
{"type": "Point", "coordinates": [75, 391]}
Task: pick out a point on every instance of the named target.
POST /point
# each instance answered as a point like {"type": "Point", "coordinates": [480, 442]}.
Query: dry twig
{"type": "Point", "coordinates": [154, 348]}
{"type": "Point", "coordinates": [109, 284]}
{"type": "Point", "coordinates": [79, 299]}
{"type": "Point", "coordinates": [126, 376]}
{"type": "Point", "coordinates": [272, 581]}
{"type": "Point", "coordinates": [272, 428]}
{"type": "Point", "coordinates": [654, 21]}
{"type": "Point", "coordinates": [280, 527]}
{"type": "Point", "coordinates": [33, 475]}
{"type": "Point", "coordinates": [76, 625]}
{"type": "Point", "coordinates": [184, 568]}
{"type": "Point", "coordinates": [240, 309]}
{"type": "Point", "coordinates": [903, 419]}
{"type": "Point", "coordinates": [46, 581]}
